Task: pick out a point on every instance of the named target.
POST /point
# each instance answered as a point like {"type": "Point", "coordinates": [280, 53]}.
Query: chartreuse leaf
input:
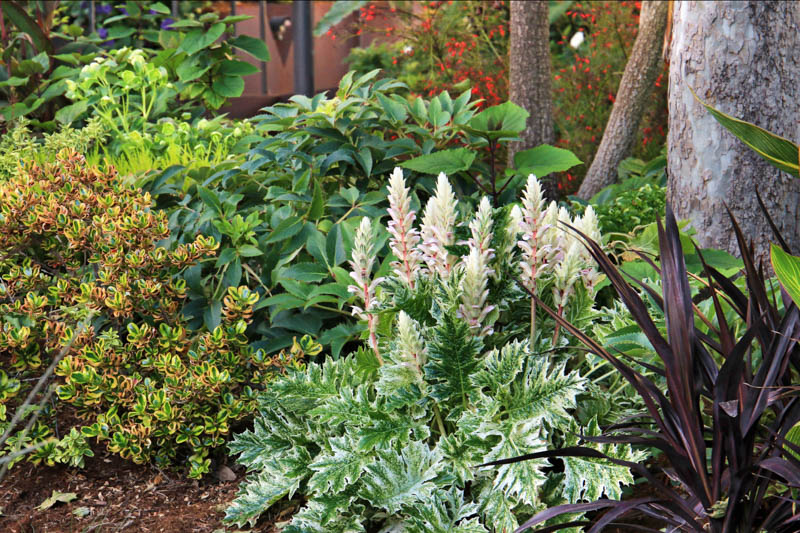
{"type": "Point", "coordinates": [398, 479]}
{"type": "Point", "coordinates": [504, 120]}
{"type": "Point", "coordinates": [777, 151]}
{"type": "Point", "coordinates": [447, 161]}
{"type": "Point", "coordinates": [587, 478]}
{"type": "Point", "coordinates": [787, 269]}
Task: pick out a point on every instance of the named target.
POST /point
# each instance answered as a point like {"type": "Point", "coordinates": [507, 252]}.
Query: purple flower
{"type": "Point", "coordinates": [152, 12]}
{"type": "Point", "coordinates": [124, 11]}
{"type": "Point", "coordinates": [166, 24]}
{"type": "Point", "coordinates": [102, 9]}
{"type": "Point", "coordinates": [84, 4]}
{"type": "Point", "coordinates": [102, 33]}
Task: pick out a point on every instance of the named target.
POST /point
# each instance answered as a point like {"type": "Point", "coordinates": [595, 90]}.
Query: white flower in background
{"type": "Point", "coordinates": [404, 237]}
{"type": "Point", "coordinates": [577, 39]}
{"type": "Point", "coordinates": [408, 49]}
{"type": "Point", "coordinates": [438, 224]}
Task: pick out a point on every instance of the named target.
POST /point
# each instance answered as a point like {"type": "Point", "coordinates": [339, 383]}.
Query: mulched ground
{"type": "Point", "coordinates": [120, 497]}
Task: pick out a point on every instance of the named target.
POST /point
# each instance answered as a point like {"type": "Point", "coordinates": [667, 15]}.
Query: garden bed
{"type": "Point", "coordinates": [118, 495]}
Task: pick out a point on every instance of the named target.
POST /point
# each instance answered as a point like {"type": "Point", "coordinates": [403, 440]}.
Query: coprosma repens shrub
{"type": "Point", "coordinates": [80, 247]}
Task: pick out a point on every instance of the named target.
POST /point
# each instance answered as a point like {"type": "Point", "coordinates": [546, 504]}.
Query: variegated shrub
{"type": "Point", "coordinates": [391, 437]}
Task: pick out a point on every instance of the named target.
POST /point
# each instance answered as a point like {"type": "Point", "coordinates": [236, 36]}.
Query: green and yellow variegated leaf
{"type": "Point", "coordinates": [777, 151]}
{"type": "Point", "coordinates": [351, 408]}
{"type": "Point", "coordinates": [498, 510]}
{"type": "Point", "coordinates": [447, 512]}
{"type": "Point", "coordinates": [258, 494]}
{"type": "Point", "coordinates": [452, 357]}
{"type": "Point", "coordinates": [787, 269]}
{"type": "Point", "coordinates": [398, 479]}
{"type": "Point", "coordinates": [587, 478]}
{"type": "Point", "coordinates": [543, 394]}
{"type": "Point", "coordinates": [338, 469]}
{"type": "Point", "coordinates": [316, 517]}
{"type": "Point", "coordinates": [519, 480]}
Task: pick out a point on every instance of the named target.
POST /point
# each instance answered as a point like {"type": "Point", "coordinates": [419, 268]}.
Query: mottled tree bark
{"type": "Point", "coordinates": [529, 72]}
{"type": "Point", "coordinates": [742, 58]}
{"type": "Point", "coordinates": [635, 88]}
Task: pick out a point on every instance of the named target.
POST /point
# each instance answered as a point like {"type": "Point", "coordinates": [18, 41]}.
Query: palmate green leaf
{"type": "Point", "coordinates": [777, 151]}
{"type": "Point", "coordinates": [447, 512]}
{"type": "Point", "coordinates": [787, 269]}
{"type": "Point", "coordinates": [338, 469]}
{"type": "Point", "coordinates": [258, 494]}
{"type": "Point", "coordinates": [400, 479]}
{"type": "Point", "coordinates": [452, 358]}
{"type": "Point", "coordinates": [588, 478]}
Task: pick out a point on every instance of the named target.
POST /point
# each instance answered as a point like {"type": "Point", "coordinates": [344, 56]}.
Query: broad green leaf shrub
{"type": "Point", "coordinates": [134, 94]}
{"type": "Point", "coordinates": [392, 435]}
{"type": "Point", "coordinates": [35, 62]}
{"type": "Point", "coordinates": [74, 242]}
{"type": "Point", "coordinates": [286, 215]}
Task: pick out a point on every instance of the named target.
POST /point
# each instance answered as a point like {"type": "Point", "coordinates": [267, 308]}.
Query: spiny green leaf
{"type": "Point", "coordinates": [395, 480]}
{"type": "Point", "coordinates": [336, 470]}
{"type": "Point", "coordinates": [257, 495]}
{"type": "Point", "coordinates": [453, 357]}
{"type": "Point", "coordinates": [589, 478]}
{"type": "Point", "coordinates": [447, 512]}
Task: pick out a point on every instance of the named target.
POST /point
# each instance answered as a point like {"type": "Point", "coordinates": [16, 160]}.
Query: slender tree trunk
{"type": "Point", "coordinates": [529, 72]}
{"type": "Point", "coordinates": [635, 89]}
{"type": "Point", "coordinates": [742, 58]}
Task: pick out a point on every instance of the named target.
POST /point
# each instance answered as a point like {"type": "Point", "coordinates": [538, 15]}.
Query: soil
{"type": "Point", "coordinates": [116, 496]}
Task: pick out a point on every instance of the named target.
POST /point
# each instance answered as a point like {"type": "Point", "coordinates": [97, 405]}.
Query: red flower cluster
{"type": "Point", "coordinates": [586, 81]}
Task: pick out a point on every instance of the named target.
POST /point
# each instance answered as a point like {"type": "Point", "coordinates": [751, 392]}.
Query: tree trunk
{"type": "Point", "coordinates": [635, 88]}
{"type": "Point", "coordinates": [529, 72]}
{"type": "Point", "coordinates": [740, 57]}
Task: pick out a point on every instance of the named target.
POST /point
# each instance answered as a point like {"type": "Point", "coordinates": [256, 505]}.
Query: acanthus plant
{"type": "Point", "coordinates": [391, 436]}
{"type": "Point", "coordinates": [727, 425]}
